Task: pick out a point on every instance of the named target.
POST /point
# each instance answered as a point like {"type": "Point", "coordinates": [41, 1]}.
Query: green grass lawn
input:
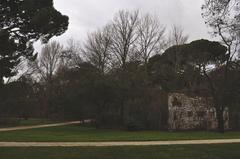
{"type": "Point", "coordinates": [76, 133]}
{"type": "Point", "coordinates": [227, 151]}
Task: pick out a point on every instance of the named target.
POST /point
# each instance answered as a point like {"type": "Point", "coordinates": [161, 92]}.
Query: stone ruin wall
{"type": "Point", "coordinates": [187, 113]}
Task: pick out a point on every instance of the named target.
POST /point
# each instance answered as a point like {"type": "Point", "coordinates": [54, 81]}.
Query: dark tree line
{"type": "Point", "coordinates": [21, 24]}
{"type": "Point", "coordinates": [122, 74]}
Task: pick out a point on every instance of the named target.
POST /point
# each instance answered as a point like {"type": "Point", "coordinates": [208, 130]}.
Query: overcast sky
{"type": "Point", "coordinates": [88, 15]}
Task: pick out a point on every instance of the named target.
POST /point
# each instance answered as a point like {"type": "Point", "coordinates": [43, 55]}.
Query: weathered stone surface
{"type": "Point", "coordinates": [187, 113]}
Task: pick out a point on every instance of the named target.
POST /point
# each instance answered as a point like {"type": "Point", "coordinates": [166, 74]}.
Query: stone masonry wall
{"type": "Point", "coordinates": [187, 113]}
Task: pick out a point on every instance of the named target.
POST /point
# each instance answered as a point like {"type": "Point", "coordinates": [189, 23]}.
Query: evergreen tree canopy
{"type": "Point", "coordinates": [22, 22]}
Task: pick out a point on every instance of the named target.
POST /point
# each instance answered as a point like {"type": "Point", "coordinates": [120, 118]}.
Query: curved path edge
{"type": "Point", "coordinates": [112, 144]}
{"type": "Point", "coordinates": [39, 126]}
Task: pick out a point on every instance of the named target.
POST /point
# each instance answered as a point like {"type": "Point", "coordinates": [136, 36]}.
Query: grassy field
{"type": "Point", "coordinates": [228, 151]}
{"type": "Point", "coordinates": [76, 133]}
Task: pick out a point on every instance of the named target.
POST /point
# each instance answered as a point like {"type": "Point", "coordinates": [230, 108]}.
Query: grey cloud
{"type": "Point", "coordinates": [88, 15]}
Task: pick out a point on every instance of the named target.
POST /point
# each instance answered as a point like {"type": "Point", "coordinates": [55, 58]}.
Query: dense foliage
{"type": "Point", "coordinates": [22, 22]}
{"type": "Point", "coordinates": [119, 77]}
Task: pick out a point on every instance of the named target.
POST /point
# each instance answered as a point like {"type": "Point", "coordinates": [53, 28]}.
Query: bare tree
{"type": "Point", "coordinates": [124, 28]}
{"type": "Point", "coordinates": [48, 62]}
{"type": "Point", "coordinates": [177, 36]}
{"type": "Point", "coordinates": [150, 37]}
{"type": "Point", "coordinates": [72, 55]}
{"type": "Point", "coordinates": [43, 69]}
{"type": "Point", "coordinates": [97, 49]}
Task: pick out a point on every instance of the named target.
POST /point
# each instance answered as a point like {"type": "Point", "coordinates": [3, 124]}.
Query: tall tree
{"type": "Point", "coordinates": [150, 37]}
{"type": "Point", "coordinates": [45, 69]}
{"type": "Point", "coordinates": [49, 61]}
{"type": "Point", "coordinates": [124, 28]}
{"type": "Point", "coordinates": [224, 18]}
{"type": "Point", "coordinates": [22, 22]}
{"type": "Point", "coordinates": [97, 49]}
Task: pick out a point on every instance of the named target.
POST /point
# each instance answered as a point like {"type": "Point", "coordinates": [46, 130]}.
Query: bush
{"type": "Point", "coordinates": [134, 124]}
{"type": "Point", "coordinates": [5, 122]}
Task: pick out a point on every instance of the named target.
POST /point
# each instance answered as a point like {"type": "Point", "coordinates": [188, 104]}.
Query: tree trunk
{"type": "Point", "coordinates": [1, 86]}
{"type": "Point", "coordinates": [122, 112]}
{"type": "Point", "coordinates": [1, 81]}
{"type": "Point", "coordinates": [220, 119]}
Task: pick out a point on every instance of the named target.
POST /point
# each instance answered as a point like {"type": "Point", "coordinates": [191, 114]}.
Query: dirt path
{"type": "Point", "coordinates": [39, 126]}
{"type": "Point", "coordinates": [112, 144]}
